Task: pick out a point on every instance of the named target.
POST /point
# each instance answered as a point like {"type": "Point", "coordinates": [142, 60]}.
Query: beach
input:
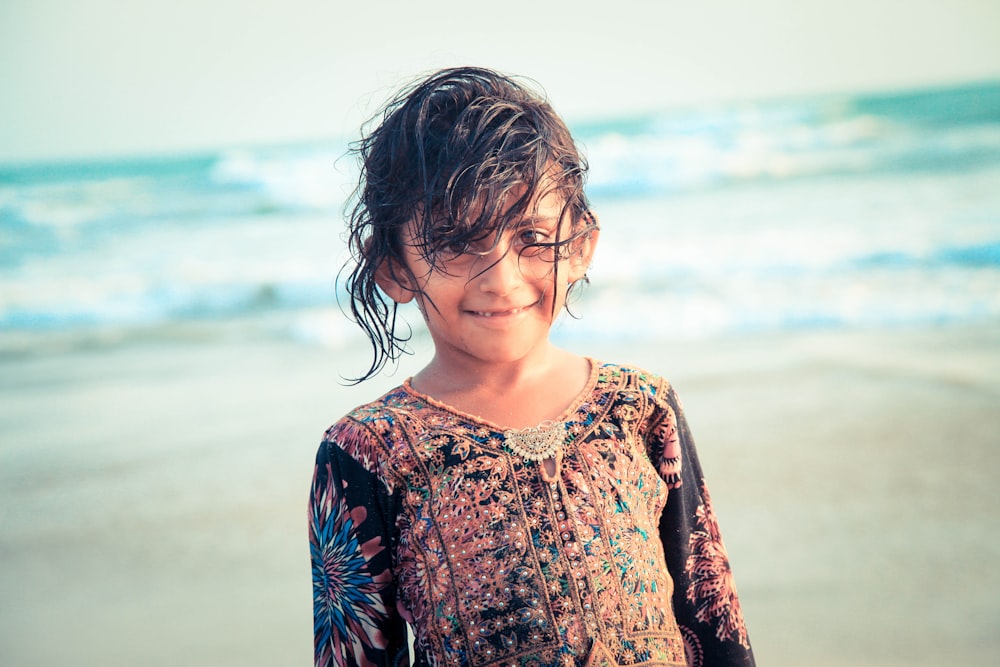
{"type": "Point", "coordinates": [818, 277]}
{"type": "Point", "coordinates": [153, 490]}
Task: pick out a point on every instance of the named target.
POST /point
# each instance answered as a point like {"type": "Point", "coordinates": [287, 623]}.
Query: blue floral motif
{"type": "Point", "coordinates": [347, 610]}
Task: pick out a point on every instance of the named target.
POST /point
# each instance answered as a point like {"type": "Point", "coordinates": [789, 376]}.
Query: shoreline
{"type": "Point", "coordinates": [154, 492]}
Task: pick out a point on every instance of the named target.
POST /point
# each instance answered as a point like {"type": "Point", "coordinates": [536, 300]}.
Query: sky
{"type": "Point", "coordinates": [104, 78]}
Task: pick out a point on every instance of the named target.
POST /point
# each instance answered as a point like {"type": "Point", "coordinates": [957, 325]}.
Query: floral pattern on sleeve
{"type": "Point", "coordinates": [353, 623]}
{"type": "Point", "coordinates": [712, 590]}
{"type": "Point", "coordinates": [705, 600]}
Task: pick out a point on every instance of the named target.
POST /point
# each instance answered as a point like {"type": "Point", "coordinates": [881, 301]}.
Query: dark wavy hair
{"type": "Point", "coordinates": [459, 156]}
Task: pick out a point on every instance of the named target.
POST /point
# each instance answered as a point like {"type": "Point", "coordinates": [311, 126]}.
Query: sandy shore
{"type": "Point", "coordinates": [152, 494]}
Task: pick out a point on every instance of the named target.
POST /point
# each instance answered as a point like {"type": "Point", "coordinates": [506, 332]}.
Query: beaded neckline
{"type": "Point", "coordinates": [550, 429]}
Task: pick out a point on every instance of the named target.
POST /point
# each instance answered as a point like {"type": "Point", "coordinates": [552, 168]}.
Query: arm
{"type": "Point", "coordinates": [351, 517]}
{"type": "Point", "coordinates": [705, 602]}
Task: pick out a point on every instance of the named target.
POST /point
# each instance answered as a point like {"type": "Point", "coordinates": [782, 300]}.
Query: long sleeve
{"type": "Point", "coordinates": [705, 602]}
{"type": "Point", "coordinates": [350, 534]}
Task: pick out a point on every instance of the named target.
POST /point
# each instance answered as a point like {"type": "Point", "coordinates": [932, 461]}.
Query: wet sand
{"type": "Point", "coordinates": [153, 493]}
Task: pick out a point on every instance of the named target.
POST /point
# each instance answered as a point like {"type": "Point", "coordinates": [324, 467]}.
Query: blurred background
{"type": "Point", "coordinates": [801, 229]}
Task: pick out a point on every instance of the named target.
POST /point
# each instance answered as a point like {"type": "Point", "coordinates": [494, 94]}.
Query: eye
{"type": "Point", "coordinates": [532, 236]}
{"type": "Point", "coordinates": [454, 248]}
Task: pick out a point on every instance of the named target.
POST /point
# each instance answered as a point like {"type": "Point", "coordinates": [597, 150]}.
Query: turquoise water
{"type": "Point", "coordinates": [844, 211]}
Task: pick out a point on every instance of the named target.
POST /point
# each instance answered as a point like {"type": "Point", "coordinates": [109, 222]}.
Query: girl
{"type": "Point", "coordinates": [512, 503]}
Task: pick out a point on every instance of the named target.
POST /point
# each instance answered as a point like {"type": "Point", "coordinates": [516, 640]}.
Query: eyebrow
{"type": "Point", "coordinates": [538, 219]}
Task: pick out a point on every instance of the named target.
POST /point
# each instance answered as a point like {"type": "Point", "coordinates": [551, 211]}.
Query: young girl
{"type": "Point", "coordinates": [512, 503]}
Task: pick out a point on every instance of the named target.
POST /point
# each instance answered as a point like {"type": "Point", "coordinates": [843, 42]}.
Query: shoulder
{"type": "Point", "coordinates": [652, 395]}
{"type": "Point", "coordinates": [365, 433]}
{"type": "Point", "coordinates": [371, 415]}
{"type": "Point", "coordinates": [660, 419]}
{"type": "Point", "coordinates": [630, 378]}
{"type": "Point", "coordinates": [647, 397]}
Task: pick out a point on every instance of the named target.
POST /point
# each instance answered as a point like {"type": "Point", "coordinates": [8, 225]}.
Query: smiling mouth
{"type": "Point", "coordinates": [500, 313]}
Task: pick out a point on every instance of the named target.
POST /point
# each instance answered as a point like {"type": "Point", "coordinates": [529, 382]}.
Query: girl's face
{"type": "Point", "coordinates": [495, 301]}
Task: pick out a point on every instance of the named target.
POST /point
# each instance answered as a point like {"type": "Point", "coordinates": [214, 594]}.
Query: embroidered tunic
{"type": "Point", "coordinates": [420, 515]}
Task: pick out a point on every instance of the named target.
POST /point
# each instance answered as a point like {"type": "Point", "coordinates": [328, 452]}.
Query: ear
{"type": "Point", "coordinates": [583, 253]}
{"type": "Point", "coordinates": [394, 281]}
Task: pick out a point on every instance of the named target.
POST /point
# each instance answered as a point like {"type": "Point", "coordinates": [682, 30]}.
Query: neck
{"type": "Point", "coordinates": [511, 394]}
{"type": "Point", "coordinates": [463, 374]}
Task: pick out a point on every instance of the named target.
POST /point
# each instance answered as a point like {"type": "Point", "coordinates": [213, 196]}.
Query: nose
{"type": "Point", "coordinates": [499, 271]}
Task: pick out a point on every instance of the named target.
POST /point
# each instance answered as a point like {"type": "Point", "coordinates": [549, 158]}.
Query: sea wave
{"type": "Point", "coordinates": [835, 211]}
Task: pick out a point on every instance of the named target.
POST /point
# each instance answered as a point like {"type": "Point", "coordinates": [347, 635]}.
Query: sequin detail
{"type": "Point", "coordinates": [536, 443]}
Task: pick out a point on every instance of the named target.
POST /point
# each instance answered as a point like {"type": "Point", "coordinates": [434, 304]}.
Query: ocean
{"type": "Point", "coordinates": [844, 211]}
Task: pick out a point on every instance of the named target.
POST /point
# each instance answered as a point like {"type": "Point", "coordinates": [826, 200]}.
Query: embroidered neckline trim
{"type": "Point", "coordinates": [598, 373]}
{"type": "Point", "coordinates": [536, 443]}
